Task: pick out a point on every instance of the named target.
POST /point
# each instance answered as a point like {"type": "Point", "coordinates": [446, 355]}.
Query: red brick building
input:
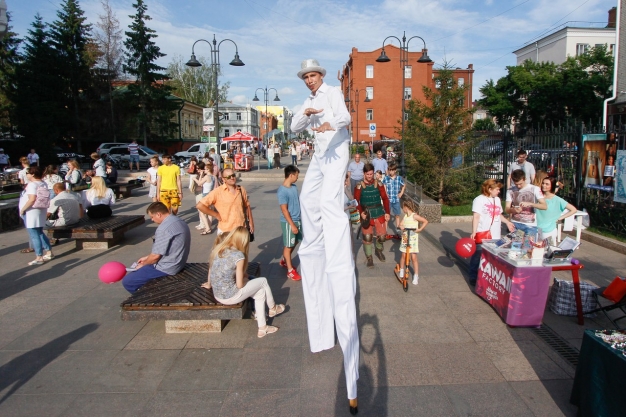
{"type": "Point", "coordinates": [381, 82]}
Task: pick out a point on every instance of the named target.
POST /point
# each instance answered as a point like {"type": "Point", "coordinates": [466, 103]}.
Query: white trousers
{"type": "Point", "coordinates": [327, 264]}
{"type": "Point", "coordinates": [259, 289]}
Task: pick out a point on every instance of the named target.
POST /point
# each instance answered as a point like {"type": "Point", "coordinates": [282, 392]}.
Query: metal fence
{"type": "Point", "coordinates": [561, 152]}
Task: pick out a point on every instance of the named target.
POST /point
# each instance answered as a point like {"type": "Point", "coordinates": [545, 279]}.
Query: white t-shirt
{"type": "Point", "coordinates": [90, 198]}
{"type": "Point", "coordinates": [488, 208]}
{"type": "Point", "coordinates": [153, 175]}
{"type": "Point", "coordinates": [33, 217]}
{"type": "Point", "coordinates": [527, 167]}
{"type": "Point", "coordinates": [530, 194]}
{"type": "Point", "coordinates": [32, 158]}
{"type": "Point", "coordinates": [98, 166]}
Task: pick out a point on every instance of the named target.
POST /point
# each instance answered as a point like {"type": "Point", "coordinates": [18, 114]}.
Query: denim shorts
{"type": "Point", "coordinates": [134, 158]}
{"type": "Point", "coordinates": [396, 210]}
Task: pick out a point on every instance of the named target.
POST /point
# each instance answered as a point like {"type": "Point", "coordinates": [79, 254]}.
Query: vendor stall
{"type": "Point", "coordinates": [241, 161]}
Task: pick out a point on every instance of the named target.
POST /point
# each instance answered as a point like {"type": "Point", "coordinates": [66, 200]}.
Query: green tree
{"type": "Point", "coordinates": [149, 91]}
{"type": "Point", "coordinates": [195, 84]}
{"type": "Point", "coordinates": [38, 108]}
{"type": "Point", "coordinates": [9, 60]}
{"type": "Point", "coordinates": [109, 38]}
{"type": "Point", "coordinates": [484, 124]}
{"type": "Point", "coordinates": [534, 93]}
{"type": "Point", "coordinates": [434, 135]}
{"type": "Point", "coordinates": [74, 45]}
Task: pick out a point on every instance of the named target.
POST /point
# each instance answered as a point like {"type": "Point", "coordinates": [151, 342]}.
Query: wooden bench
{"type": "Point", "coordinates": [124, 190]}
{"type": "Point", "coordinates": [97, 233]}
{"type": "Point", "coordinates": [180, 300]}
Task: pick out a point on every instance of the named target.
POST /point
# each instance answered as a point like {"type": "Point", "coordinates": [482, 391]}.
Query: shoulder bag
{"type": "Point", "coordinates": [245, 214]}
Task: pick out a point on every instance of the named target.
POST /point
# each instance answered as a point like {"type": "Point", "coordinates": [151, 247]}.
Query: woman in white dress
{"type": "Point", "coordinates": [35, 218]}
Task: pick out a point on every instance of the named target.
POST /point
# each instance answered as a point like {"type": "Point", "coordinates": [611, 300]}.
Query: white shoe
{"type": "Point", "coordinates": [199, 227]}
{"type": "Point", "coordinates": [401, 272]}
{"type": "Point", "coordinates": [415, 279]}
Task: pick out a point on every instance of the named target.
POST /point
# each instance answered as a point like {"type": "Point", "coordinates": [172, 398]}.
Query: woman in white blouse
{"type": "Point", "coordinates": [98, 199]}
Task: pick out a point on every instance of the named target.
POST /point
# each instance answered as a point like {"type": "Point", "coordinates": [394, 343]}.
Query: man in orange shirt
{"type": "Point", "coordinates": [229, 201]}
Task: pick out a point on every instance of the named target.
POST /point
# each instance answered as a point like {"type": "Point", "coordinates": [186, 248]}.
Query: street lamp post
{"type": "Point", "coordinates": [404, 60]}
{"type": "Point", "coordinates": [215, 67]}
{"type": "Point", "coordinates": [356, 97]}
{"type": "Point", "coordinates": [266, 99]}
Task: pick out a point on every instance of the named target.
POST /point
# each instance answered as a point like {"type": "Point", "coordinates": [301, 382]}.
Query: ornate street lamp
{"type": "Point", "coordinates": [266, 99]}
{"type": "Point", "coordinates": [356, 97]}
{"type": "Point", "coordinates": [215, 67]}
{"type": "Point", "coordinates": [404, 60]}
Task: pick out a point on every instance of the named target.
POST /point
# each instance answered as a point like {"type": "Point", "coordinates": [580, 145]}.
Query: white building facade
{"type": "Point", "coordinates": [237, 118]}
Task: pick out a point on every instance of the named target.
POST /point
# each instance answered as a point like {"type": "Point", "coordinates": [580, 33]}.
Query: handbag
{"type": "Point", "coordinates": [246, 222]}
{"type": "Point", "coordinates": [54, 215]}
{"type": "Point", "coordinates": [480, 236]}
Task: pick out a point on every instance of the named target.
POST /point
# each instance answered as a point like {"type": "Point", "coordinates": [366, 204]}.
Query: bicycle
{"type": "Point", "coordinates": [404, 279]}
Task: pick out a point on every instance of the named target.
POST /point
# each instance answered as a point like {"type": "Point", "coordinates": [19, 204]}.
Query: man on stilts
{"type": "Point", "coordinates": [327, 263]}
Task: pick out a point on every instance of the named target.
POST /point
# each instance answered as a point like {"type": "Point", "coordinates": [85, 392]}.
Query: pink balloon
{"type": "Point", "coordinates": [465, 247]}
{"type": "Point", "coordinates": [112, 272]}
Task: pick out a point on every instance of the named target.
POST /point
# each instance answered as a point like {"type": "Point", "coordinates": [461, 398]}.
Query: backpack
{"type": "Point", "coordinates": [42, 200]}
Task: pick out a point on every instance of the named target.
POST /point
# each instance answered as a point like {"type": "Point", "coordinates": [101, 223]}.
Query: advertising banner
{"type": "Point", "coordinates": [599, 151]}
{"type": "Point", "coordinates": [620, 177]}
{"type": "Point", "coordinates": [518, 294]}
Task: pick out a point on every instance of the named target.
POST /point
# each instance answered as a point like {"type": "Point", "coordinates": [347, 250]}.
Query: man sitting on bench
{"type": "Point", "coordinates": [169, 250]}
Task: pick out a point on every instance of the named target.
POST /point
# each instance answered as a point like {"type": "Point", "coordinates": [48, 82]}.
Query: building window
{"type": "Point", "coordinates": [225, 116]}
{"type": "Point", "coordinates": [408, 71]}
{"type": "Point", "coordinates": [406, 116]}
{"type": "Point", "coordinates": [612, 49]}
{"type": "Point", "coordinates": [407, 93]}
{"type": "Point", "coordinates": [369, 114]}
{"type": "Point", "coordinates": [461, 82]}
{"type": "Point", "coordinates": [226, 133]}
{"type": "Point", "coordinates": [369, 92]}
{"type": "Point", "coordinates": [238, 116]}
{"type": "Point", "coordinates": [581, 48]}
{"type": "Point", "coordinates": [437, 83]}
{"type": "Point", "coordinates": [479, 116]}
{"type": "Point", "coordinates": [369, 71]}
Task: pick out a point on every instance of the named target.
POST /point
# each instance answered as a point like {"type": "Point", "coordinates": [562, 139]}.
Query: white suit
{"type": "Point", "coordinates": [327, 264]}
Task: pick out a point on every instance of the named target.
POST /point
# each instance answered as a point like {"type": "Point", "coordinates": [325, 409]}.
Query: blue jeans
{"type": "Point", "coordinates": [39, 240]}
{"type": "Point", "coordinates": [294, 160]}
{"type": "Point", "coordinates": [134, 280]}
{"type": "Point", "coordinates": [474, 264]}
{"type": "Point", "coordinates": [528, 229]}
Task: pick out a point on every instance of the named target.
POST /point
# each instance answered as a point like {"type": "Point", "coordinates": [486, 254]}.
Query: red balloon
{"type": "Point", "coordinates": [465, 247]}
{"type": "Point", "coordinates": [112, 272]}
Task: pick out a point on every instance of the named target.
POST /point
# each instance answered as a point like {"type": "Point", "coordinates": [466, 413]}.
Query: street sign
{"type": "Point", "coordinates": [208, 128]}
{"type": "Point", "coordinates": [207, 116]}
{"type": "Point", "coordinates": [372, 129]}
{"type": "Point", "coordinates": [372, 135]}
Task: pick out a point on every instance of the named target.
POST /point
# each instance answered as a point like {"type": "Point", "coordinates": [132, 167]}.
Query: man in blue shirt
{"type": "Point", "coordinates": [380, 164]}
{"type": "Point", "coordinates": [170, 249]}
{"type": "Point", "coordinates": [290, 219]}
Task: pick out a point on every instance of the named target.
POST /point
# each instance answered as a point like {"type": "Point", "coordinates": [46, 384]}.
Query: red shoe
{"type": "Point", "coordinates": [283, 263]}
{"type": "Point", "coordinates": [293, 275]}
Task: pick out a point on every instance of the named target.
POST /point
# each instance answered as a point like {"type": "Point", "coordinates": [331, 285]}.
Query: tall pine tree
{"type": "Point", "coordinates": [149, 91]}
{"type": "Point", "coordinates": [9, 59]}
{"type": "Point", "coordinates": [71, 37]}
{"type": "Point", "coordinates": [38, 108]}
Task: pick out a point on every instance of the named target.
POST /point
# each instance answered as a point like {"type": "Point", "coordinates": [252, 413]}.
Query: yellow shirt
{"type": "Point", "coordinates": [168, 176]}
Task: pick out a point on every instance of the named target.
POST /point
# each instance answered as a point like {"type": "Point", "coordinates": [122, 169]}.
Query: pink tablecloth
{"type": "Point", "coordinates": [518, 294]}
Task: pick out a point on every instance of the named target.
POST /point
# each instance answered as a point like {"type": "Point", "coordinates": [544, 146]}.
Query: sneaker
{"type": "Point", "coordinates": [401, 272]}
{"type": "Point", "coordinates": [199, 227]}
{"type": "Point", "coordinates": [283, 263]}
{"type": "Point", "coordinates": [415, 279]}
{"type": "Point", "coordinates": [293, 275]}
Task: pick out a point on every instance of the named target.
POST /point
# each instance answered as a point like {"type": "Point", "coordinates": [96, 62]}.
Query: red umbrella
{"type": "Point", "coordinates": [239, 136]}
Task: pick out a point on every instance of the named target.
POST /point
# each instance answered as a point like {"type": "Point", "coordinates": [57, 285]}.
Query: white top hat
{"type": "Point", "coordinates": [310, 65]}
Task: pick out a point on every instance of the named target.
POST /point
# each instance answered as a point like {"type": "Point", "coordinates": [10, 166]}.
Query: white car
{"type": "Point", "coordinates": [104, 147]}
{"type": "Point", "coordinates": [122, 153]}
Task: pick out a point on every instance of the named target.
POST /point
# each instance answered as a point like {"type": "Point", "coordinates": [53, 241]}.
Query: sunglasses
{"type": "Point", "coordinates": [230, 177]}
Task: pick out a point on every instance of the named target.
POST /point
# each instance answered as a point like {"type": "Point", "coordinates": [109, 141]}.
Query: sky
{"type": "Point", "coordinates": [274, 36]}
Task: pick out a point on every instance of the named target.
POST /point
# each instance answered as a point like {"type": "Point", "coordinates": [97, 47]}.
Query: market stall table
{"type": "Point", "coordinates": [599, 384]}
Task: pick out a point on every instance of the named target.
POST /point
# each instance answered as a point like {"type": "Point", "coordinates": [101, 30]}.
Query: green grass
{"type": "Point", "coordinates": [462, 210]}
{"type": "Point", "coordinates": [606, 233]}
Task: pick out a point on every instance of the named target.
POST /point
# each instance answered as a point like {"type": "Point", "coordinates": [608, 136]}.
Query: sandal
{"type": "Point", "coordinates": [266, 331]}
{"type": "Point", "coordinates": [276, 310]}
{"type": "Point", "coordinates": [38, 262]}
{"type": "Point", "coordinates": [48, 257]}
{"type": "Point", "coordinates": [27, 250]}
{"type": "Point", "coordinates": [206, 232]}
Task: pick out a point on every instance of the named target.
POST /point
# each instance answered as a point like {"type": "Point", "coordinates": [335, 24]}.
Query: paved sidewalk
{"type": "Point", "coordinates": [437, 350]}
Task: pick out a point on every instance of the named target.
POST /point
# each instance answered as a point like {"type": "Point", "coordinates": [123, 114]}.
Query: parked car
{"type": "Point", "coordinates": [104, 147]}
{"type": "Point", "coordinates": [64, 154]}
{"type": "Point", "coordinates": [121, 153]}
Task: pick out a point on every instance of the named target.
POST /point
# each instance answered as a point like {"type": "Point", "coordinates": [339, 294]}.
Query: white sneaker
{"type": "Point", "coordinates": [401, 272]}
{"type": "Point", "coordinates": [415, 279]}
{"type": "Point", "coordinates": [199, 227]}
